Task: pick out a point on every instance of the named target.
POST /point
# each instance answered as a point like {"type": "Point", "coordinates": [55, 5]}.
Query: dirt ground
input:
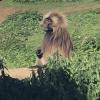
{"type": "Point", "coordinates": [20, 73]}
{"type": "Point", "coordinates": [4, 12]}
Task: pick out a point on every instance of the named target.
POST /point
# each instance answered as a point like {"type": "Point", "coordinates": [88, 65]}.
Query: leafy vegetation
{"type": "Point", "coordinates": [85, 63]}
{"type": "Point", "coordinates": [54, 84]}
{"type": "Point", "coordinates": [21, 34]}
{"type": "Point", "coordinates": [17, 35]}
{"type": "Point", "coordinates": [78, 77]}
{"type": "Point", "coordinates": [85, 29]}
{"type": "Point", "coordinates": [50, 0]}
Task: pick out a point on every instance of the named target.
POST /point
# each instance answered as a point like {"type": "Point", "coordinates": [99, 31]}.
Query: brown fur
{"type": "Point", "coordinates": [57, 41]}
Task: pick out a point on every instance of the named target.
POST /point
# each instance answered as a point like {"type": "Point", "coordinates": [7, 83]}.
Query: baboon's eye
{"type": "Point", "coordinates": [49, 19]}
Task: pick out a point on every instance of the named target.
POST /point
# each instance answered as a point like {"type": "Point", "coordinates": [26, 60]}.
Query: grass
{"type": "Point", "coordinates": [7, 3]}
{"type": "Point", "coordinates": [42, 7]}
{"type": "Point", "coordinates": [20, 36]}
{"type": "Point", "coordinates": [82, 26]}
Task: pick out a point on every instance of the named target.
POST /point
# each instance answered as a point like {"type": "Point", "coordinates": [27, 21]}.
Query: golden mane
{"type": "Point", "coordinates": [58, 40]}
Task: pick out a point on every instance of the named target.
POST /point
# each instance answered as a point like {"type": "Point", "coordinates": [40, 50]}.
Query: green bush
{"type": "Point", "coordinates": [91, 43]}
{"type": "Point", "coordinates": [84, 67]}
{"type": "Point", "coordinates": [53, 84]}
{"type": "Point", "coordinates": [15, 34]}
{"type": "Point", "coordinates": [23, 1]}
{"type": "Point", "coordinates": [85, 29]}
{"type": "Point", "coordinates": [19, 37]}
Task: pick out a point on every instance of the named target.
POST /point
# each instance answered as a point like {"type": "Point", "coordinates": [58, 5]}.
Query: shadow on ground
{"type": "Point", "coordinates": [50, 84]}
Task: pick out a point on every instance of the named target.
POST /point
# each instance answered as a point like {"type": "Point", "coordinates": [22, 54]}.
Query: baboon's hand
{"type": "Point", "coordinates": [39, 53]}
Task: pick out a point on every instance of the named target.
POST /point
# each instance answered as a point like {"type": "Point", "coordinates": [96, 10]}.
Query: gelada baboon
{"type": "Point", "coordinates": [56, 39]}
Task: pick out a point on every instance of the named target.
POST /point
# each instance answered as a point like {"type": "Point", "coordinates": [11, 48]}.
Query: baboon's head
{"type": "Point", "coordinates": [52, 22]}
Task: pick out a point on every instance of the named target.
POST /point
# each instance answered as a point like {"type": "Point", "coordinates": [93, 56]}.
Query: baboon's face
{"type": "Point", "coordinates": [51, 22]}
{"type": "Point", "coordinates": [47, 24]}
